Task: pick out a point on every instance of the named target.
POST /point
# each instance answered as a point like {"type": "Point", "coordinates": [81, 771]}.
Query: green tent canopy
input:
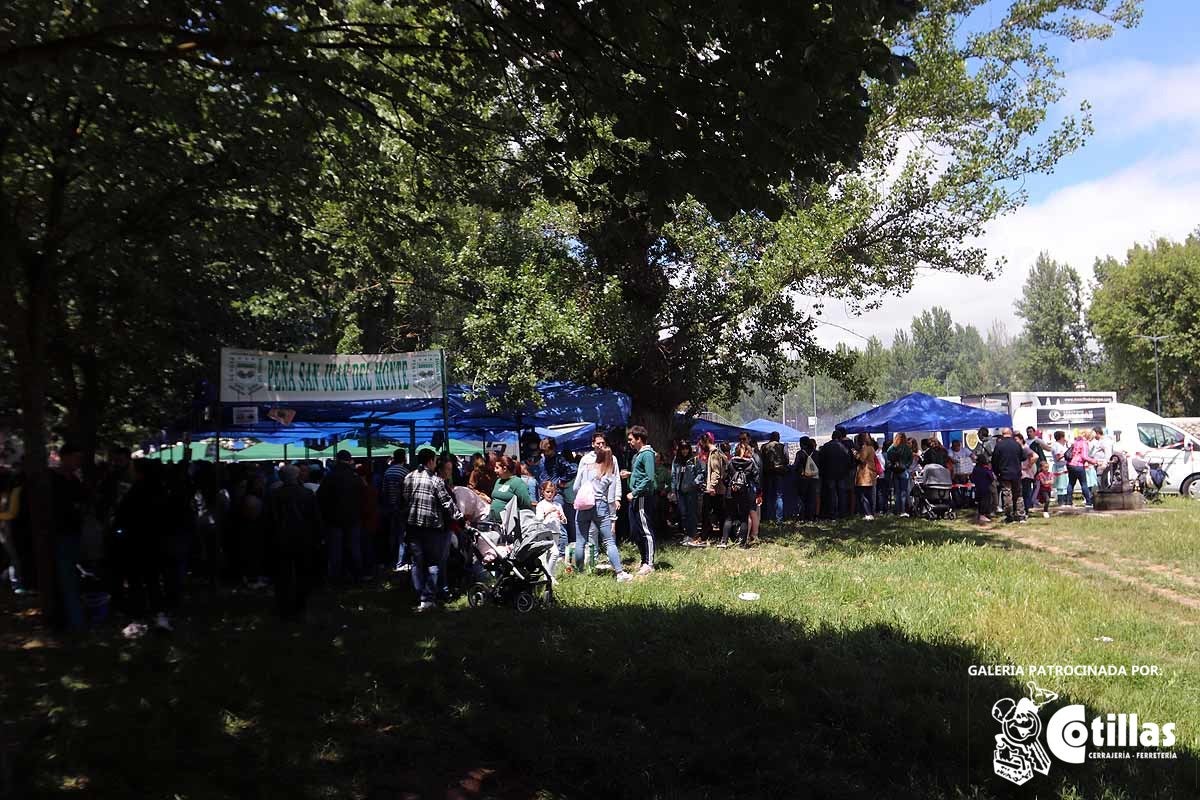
{"type": "Point", "coordinates": [458, 447]}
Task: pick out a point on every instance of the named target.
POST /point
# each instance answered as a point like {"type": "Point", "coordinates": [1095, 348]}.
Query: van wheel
{"type": "Point", "coordinates": [1190, 487]}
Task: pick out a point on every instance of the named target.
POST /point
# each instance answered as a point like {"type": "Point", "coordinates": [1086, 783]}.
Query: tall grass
{"type": "Point", "coordinates": [846, 678]}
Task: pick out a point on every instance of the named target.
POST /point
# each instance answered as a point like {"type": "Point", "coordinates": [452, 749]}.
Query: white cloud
{"type": "Point", "coordinates": [1132, 97]}
{"type": "Point", "coordinates": [1155, 196]}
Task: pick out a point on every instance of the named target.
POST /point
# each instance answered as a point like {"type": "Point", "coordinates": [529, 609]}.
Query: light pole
{"type": "Point", "coordinates": [1157, 384]}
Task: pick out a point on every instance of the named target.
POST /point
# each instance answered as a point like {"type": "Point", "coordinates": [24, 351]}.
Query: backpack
{"type": "Point", "coordinates": [810, 468]}
{"type": "Point", "coordinates": [776, 458]}
{"type": "Point", "coordinates": [738, 479]}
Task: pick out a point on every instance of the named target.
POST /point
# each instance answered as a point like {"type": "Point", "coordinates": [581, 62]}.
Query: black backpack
{"type": "Point", "coordinates": [776, 457]}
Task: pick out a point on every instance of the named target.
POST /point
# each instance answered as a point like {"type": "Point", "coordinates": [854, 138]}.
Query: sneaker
{"type": "Point", "coordinates": [1087, 506]}
{"type": "Point", "coordinates": [868, 517]}
{"type": "Point", "coordinates": [904, 515]}
{"type": "Point", "coordinates": [644, 570]}
{"type": "Point", "coordinates": [162, 623]}
{"type": "Point", "coordinates": [426, 606]}
{"type": "Point", "coordinates": [721, 545]}
{"type": "Point", "coordinates": [624, 577]}
{"type": "Point", "coordinates": [1022, 520]}
{"type": "Point", "coordinates": [403, 568]}
{"type": "Point", "coordinates": [1045, 515]}
{"type": "Point", "coordinates": [985, 519]}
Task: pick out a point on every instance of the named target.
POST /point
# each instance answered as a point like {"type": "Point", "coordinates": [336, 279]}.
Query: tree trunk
{"type": "Point", "coordinates": [656, 413]}
{"type": "Point", "coordinates": [33, 368]}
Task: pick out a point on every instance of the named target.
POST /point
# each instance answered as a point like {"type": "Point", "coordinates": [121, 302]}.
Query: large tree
{"type": "Point", "coordinates": [706, 298]}
{"type": "Point", "coordinates": [1155, 291]}
{"type": "Point", "coordinates": [1054, 339]}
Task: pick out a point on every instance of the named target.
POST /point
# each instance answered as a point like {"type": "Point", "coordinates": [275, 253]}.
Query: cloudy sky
{"type": "Point", "coordinates": [1136, 179]}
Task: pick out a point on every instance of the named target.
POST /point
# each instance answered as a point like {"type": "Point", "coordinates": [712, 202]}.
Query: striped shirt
{"type": "Point", "coordinates": [393, 485]}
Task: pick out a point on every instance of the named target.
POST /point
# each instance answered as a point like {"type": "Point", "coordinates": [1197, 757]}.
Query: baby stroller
{"type": "Point", "coordinates": [932, 493]}
{"type": "Point", "coordinates": [516, 562]}
{"type": "Point", "coordinates": [1150, 479]}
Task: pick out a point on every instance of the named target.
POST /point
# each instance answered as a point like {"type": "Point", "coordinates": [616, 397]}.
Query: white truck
{"type": "Point", "coordinates": [1135, 431]}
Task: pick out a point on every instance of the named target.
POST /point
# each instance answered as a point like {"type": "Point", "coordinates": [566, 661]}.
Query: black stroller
{"type": "Point", "coordinates": [515, 562]}
{"type": "Point", "coordinates": [1151, 478]}
{"type": "Point", "coordinates": [933, 493]}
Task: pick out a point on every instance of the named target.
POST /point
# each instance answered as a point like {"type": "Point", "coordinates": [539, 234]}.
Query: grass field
{"type": "Point", "coordinates": [847, 678]}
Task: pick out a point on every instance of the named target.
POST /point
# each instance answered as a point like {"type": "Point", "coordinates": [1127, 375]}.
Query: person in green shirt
{"type": "Point", "coordinates": [642, 494]}
{"type": "Point", "coordinates": [508, 485]}
{"type": "Point", "coordinates": [899, 457]}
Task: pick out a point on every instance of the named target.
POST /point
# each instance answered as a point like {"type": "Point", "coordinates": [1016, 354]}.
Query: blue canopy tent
{"type": "Point", "coordinates": [720, 432]}
{"type": "Point", "coordinates": [786, 432]}
{"type": "Point", "coordinates": [563, 402]}
{"type": "Point", "coordinates": [922, 412]}
{"type": "Point", "coordinates": [424, 419]}
{"type": "Point", "coordinates": [576, 437]}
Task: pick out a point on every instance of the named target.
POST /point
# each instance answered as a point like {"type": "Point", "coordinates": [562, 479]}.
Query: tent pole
{"type": "Point", "coordinates": [216, 550]}
{"type": "Point", "coordinates": [285, 453]}
{"type": "Point", "coordinates": [412, 442]}
{"type": "Point", "coordinates": [445, 406]}
{"type": "Point", "coordinates": [370, 471]}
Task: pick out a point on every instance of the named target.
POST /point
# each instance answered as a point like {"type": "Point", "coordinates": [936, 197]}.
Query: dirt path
{"type": "Point", "coordinates": [1109, 570]}
{"type": "Point", "coordinates": [1082, 547]}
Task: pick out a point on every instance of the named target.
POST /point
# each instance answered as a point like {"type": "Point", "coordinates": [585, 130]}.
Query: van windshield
{"type": "Point", "coordinates": [1157, 435]}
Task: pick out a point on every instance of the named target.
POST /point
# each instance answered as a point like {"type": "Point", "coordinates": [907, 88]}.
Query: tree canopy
{"type": "Point", "coordinates": [1155, 291]}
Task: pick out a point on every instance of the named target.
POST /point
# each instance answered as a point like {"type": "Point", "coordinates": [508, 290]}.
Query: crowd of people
{"type": "Point", "coordinates": [132, 529]}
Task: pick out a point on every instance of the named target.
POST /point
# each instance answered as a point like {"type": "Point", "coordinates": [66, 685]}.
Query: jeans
{"type": "Point", "coordinates": [686, 502]}
{"type": "Point", "coordinates": [399, 546]}
{"type": "Point", "coordinates": [737, 515]}
{"type": "Point", "coordinates": [600, 516]}
{"type": "Point", "coordinates": [883, 492]}
{"type": "Point", "coordinates": [772, 489]}
{"type": "Point", "coordinates": [1011, 499]}
{"type": "Point", "coordinates": [836, 491]}
{"type": "Point", "coordinates": [293, 581]}
{"type": "Point", "coordinates": [561, 540]}
{"type": "Point", "coordinates": [66, 557]}
{"type": "Point", "coordinates": [14, 558]}
{"type": "Point", "coordinates": [712, 512]}
{"type": "Point", "coordinates": [866, 500]}
{"type": "Point", "coordinates": [806, 498]}
{"type": "Point", "coordinates": [340, 542]}
{"type": "Point", "coordinates": [1029, 492]}
{"type": "Point", "coordinates": [641, 512]}
{"type": "Point", "coordinates": [900, 484]}
{"type": "Point", "coordinates": [430, 548]}
{"type": "Point", "coordinates": [1077, 475]}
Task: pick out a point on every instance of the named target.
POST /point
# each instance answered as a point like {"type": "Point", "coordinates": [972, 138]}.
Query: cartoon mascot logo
{"type": "Point", "coordinates": [1019, 752]}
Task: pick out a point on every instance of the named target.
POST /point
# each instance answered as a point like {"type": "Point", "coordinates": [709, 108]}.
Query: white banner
{"type": "Point", "coordinates": [255, 376]}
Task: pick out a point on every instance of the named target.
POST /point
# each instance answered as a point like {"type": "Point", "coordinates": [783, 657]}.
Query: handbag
{"type": "Point", "coordinates": [586, 499]}
{"type": "Point", "coordinates": [878, 466]}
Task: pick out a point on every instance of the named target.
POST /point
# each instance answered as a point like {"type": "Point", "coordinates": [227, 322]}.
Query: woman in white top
{"type": "Point", "coordinates": [597, 499]}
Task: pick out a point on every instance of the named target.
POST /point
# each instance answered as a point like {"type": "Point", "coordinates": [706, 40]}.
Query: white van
{"type": "Point", "coordinates": [1133, 430]}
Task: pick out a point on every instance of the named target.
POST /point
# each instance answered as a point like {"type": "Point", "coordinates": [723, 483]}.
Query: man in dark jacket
{"type": "Point", "coordinates": [774, 473]}
{"type": "Point", "coordinates": [835, 460]}
{"type": "Point", "coordinates": [296, 524]}
{"type": "Point", "coordinates": [808, 481]}
{"type": "Point", "coordinates": [341, 496]}
{"type": "Point", "coordinates": [1007, 457]}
